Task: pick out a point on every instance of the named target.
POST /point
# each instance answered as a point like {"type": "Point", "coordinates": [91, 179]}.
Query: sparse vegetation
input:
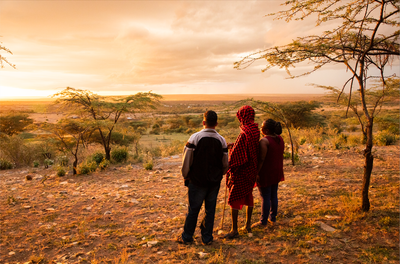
{"type": "Point", "coordinates": [112, 212]}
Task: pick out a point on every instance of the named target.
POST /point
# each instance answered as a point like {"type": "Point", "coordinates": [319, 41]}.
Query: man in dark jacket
{"type": "Point", "coordinates": [205, 161]}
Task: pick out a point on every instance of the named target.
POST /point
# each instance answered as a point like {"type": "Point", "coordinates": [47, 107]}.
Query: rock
{"type": "Point", "coordinates": [125, 186]}
{"type": "Point", "coordinates": [39, 177]}
{"type": "Point", "coordinates": [88, 208]}
{"type": "Point", "coordinates": [76, 193]}
{"type": "Point", "coordinates": [64, 183]}
{"type": "Point", "coordinates": [152, 243]}
{"type": "Point", "coordinates": [94, 235]}
{"type": "Point", "coordinates": [250, 234]}
{"type": "Point", "coordinates": [11, 253]}
{"type": "Point", "coordinates": [321, 177]}
{"type": "Point", "coordinates": [175, 157]}
{"type": "Point", "coordinates": [160, 252]}
{"type": "Point", "coordinates": [202, 254]}
{"type": "Point", "coordinates": [283, 185]}
{"type": "Point", "coordinates": [50, 196]}
{"type": "Point", "coordinates": [133, 201]}
{"type": "Point", "coordinates": [107, 213]}
{"type": "Point", "coordinates": [325, 226]}
{"type": "Point", "coordinates": [315, 167]}
{"type": "Point", "coordinates": [220, 232]}
{"type": "Point", "coordinates": [158, 196]}
{"type": "Point", "coordinates": [298, 217]}
{"type": "Point", "coordinates": [27, 206]}
{"type": "Point", "coordinates": [79, 254]}
{"type": "Point", "coordinates": [332, 216]}
{"type": "Point", "coordinates": [50, 209]}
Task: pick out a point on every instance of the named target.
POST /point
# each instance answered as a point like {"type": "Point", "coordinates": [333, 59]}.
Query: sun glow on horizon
{"type": "Point", "coordinates": [7, 93]}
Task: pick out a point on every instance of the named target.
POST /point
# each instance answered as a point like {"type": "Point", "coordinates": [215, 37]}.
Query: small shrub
{"type": "Point", "coordinates": [119, 154]}
{"type": "Point", "coordinates": [138, 158]}
{"type": "Point", "coordinates": [63, 160]}
{"type": "Point", "coordinates": [5, 165]}
{"type": "Point", "coordinates": [354, 140]}
{"type": "Point", "coordinates": [48, 162]}
{"type": "Point", "coordinates": [104, 164]}
{"type": "Point", "coordinates": [385, 138]}
{"type": "Point", "coordinates": [148, 165]}
{"type": "Point", "coordinates": [60, 172]}
{"type": "Point", "coordinates": [87, 167]}
{"type": "Point", "coordinates": [302, 141]}
{"type": "Point", "coordinates": [98, 157]}
{"type": "Point", "coordinates": [173, 148]}
{"type": "Point", "coordinates": [36, 164]}
{"type": "Point", "coordinates": [286, 155]}
{"type": "Point", "coordinates": [387, 221]}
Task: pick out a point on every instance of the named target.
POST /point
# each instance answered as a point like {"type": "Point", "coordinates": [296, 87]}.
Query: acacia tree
{"type": "Point", "coordinates": [104, 111]}
{"type": "Point", "coordinates": [365, 40]}
{"type": "Point", "coordinates": [71, 134]}
{"type": "Point", "coordinates": [14, 123]}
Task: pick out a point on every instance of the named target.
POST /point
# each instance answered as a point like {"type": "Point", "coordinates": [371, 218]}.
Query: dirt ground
{"type": "Point", "coordinates": [126, 214]}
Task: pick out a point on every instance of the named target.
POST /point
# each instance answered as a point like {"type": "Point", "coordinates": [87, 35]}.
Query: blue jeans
{"type": "Point", "coordinates": [197, 195]}
{"type": "Point", "coordinates": [269, 207]}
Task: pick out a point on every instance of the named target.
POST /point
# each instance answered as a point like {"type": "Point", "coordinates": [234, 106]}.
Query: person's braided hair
{"type": "Point", "coordinates": [273, 126]}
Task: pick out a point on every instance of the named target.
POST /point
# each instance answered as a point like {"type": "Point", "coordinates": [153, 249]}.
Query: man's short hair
{"type": "Point", "coordinates": [211, 118]}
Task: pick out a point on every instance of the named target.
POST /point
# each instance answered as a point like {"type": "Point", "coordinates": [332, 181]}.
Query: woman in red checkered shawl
{"type": "Point", "coordinates": [242, 173]}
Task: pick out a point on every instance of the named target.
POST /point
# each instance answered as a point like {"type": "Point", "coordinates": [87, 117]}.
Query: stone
{"type": "Point", "coordinates": [64, 183]}
{"type": "Point", "coordinates": [325, 226]}
{"type": "Point", "coordinates": [202, 254]}
{"type": "Point", "coordinates": [220, 232]}
{"type": "Point", "coordinates": [298, 217]}
{"type": "Point", "coordinates": [107, 213]}
{"type": "Point", "coordinates": [152, 243]}
{"type": "Point", "coordinates": [11, 253]}
{"type": "Point", "coordinates": [50, 209]}
{"type": "Point", "coordinates": [27, 206]}
{"type": "Point", "coordinates": [158, 196]}
{"type": "Point", "coordinates": [332, 216]}
{"type": "Point", "coordinates": [133, 201]}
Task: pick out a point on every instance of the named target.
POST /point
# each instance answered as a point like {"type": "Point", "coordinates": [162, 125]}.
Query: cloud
{"type": "Point", "coordinates": [181, 46]}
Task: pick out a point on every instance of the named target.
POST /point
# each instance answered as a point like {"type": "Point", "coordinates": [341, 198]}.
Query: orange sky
{"type": "Point", "coordinates": [168, 47]}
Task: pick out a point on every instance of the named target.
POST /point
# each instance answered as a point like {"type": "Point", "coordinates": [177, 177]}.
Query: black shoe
{"type": "Point", "coordinates": [180, 240]}
{"type": "Point", "coordinates": [258, 224]}
{"type": "Point", "coordinates": [207, 243]}
{"type": "Point", "coordinates": [231, 235]}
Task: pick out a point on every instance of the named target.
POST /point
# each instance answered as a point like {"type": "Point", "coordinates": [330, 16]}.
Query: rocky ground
{"type": "Point", "coordinates": [126, 214]}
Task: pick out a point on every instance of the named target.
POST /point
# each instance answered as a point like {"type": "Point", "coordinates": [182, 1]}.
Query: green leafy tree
{"type": "Point", "coordinates": [104, 111]}
{"type": "Point", "coordinates": [14, 123]}
{"type": "Point", "coordinates": [364, 39]}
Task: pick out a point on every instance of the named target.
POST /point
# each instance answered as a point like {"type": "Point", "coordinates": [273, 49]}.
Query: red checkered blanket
{"type": "Point", "coordinates": [242, 172]}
